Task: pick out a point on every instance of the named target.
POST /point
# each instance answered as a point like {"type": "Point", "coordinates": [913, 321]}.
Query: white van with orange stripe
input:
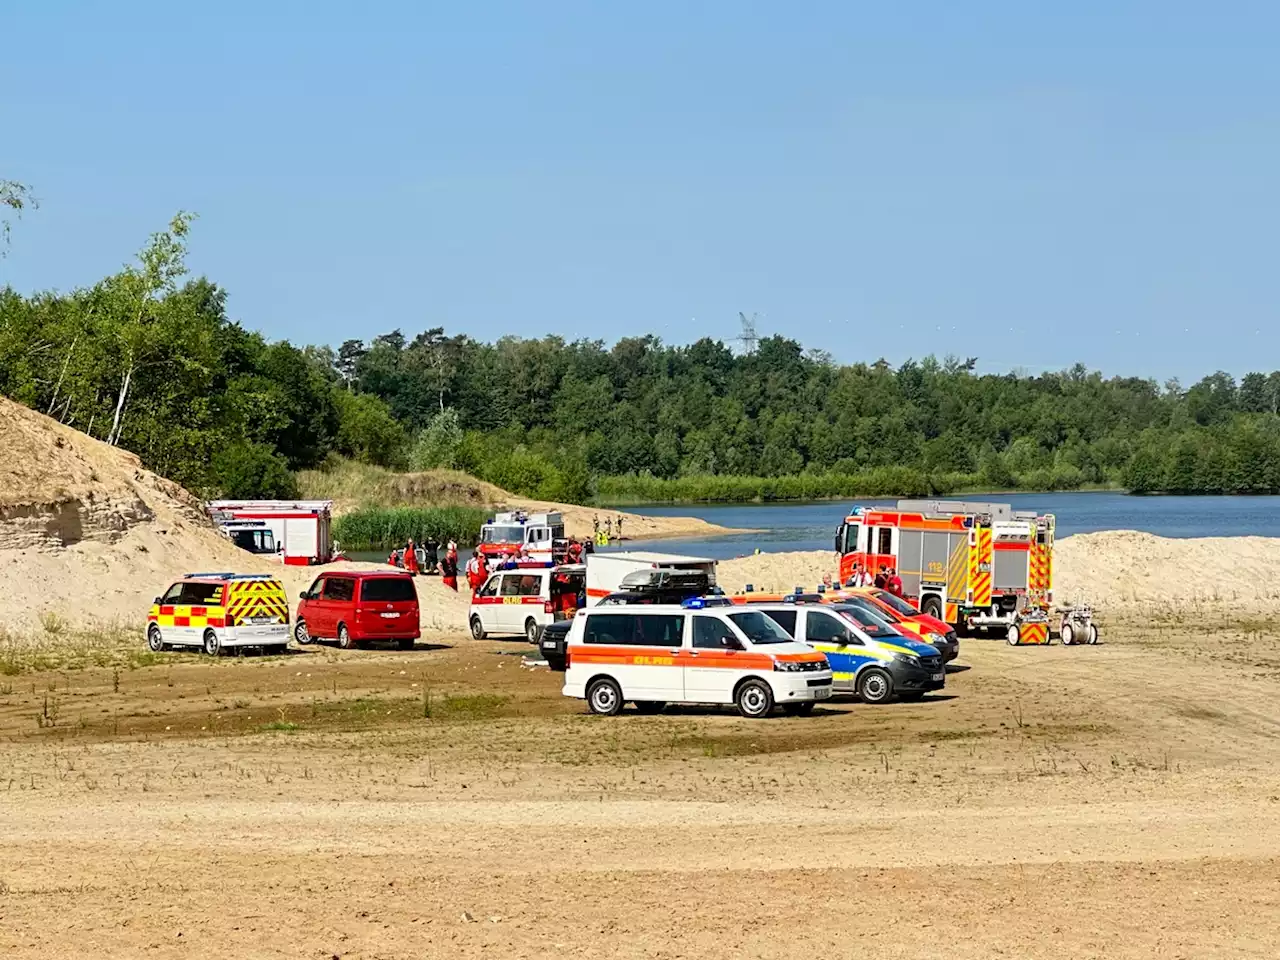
{"type": "Point", "coordinates": [214, 611]}
{"type": "Point", "coordinates": [655, 655]}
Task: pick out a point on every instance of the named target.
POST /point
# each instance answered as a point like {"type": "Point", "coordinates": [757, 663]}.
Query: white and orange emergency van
{"type": "Point", "coordinates": [691, 653]}
{"type": "Point", "coordinates": [525, 599]}
{"type": "Point", "coordinates": [214, 611]}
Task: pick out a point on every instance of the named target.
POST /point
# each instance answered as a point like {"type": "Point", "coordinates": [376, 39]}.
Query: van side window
{"type": "Point", "coordinates": [531, 585]}
{"type": "Point", "coordinates": [510, 585]}
{"type": "Point", "coordinates": [202, 594]}
{"type": "Point", "coordinates": [786, 619]}
{"type": "Point", "coordinates": [822, 628]}
{"type": "Point", "coordinates": [339, 588]}
{"type": "Point", "coordinates": [634, 630]}
{"type": "Point", "coordinates": [708, 632]}
{"type": "Point", "coordinates": [173, 594]}
{"type": "Point", "coordinates": [490, 588]}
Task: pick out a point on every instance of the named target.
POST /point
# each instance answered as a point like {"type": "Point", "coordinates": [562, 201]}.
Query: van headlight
{"type": "Point", "coordinates": [793, 666]}
{"type": "Point", "coordinates": [936, 638]}
{"type": "Point", "coordinates": [907, 658]}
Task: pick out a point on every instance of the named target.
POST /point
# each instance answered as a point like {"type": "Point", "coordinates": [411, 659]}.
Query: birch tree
{"type": "Point", "coordinates": [133, 294]}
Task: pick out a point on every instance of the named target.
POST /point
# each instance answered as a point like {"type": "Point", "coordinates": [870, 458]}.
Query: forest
{"type": "Point", "coordinates": [147, 359]}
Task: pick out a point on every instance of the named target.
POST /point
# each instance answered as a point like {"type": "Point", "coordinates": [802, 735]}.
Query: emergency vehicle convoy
{"type": "Point", "coordinates": [976, 566]}
{"type": "Point", "coordinates": [540, 536]}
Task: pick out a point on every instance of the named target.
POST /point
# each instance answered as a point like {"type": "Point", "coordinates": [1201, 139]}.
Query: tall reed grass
{"type": "Point", "coordinates": [880, 482]}
{"type": "Point", "coordinates": [375, 528]}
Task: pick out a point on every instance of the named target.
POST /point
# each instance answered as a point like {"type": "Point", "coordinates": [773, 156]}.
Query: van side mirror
{"type": "Point", "coordinates": [304, 595]}
{"type": "Point", "coordinates": [730, 643]}
{"type": "Point", "coordinates": [159, 600]}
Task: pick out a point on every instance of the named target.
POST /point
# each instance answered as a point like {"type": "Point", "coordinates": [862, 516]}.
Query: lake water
{"type": "Point", "coordinates": [811, 526]}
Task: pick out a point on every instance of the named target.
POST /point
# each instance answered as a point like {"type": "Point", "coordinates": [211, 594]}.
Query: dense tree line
{"type": "Point", "coordinates": [148, 360]}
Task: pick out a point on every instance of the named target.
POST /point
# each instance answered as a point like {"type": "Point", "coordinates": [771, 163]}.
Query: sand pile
{"type": "Point", "coordinates": [1127, 572]}
{"type": "Point", "coordinates": [89, 535]}
{"type": "Point", "coordinates": [1121, 573]}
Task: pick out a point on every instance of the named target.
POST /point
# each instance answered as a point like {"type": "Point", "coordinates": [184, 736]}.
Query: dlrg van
{"type": "Point", "coordinates": [655, 655]}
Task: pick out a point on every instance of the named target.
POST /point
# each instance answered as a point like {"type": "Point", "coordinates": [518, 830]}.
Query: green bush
{"type": "Point", "coordinates": [382, 529]}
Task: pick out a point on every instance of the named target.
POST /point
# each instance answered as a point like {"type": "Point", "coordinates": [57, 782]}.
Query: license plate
{"type": "Point", "coordinates": [262, 621]}
{"type": "Point", "coordinates": [548, 644]}
{"type": "Point", "coordinates": [940, 676]}
{"type": "Point", "coordinates": [389, 616]}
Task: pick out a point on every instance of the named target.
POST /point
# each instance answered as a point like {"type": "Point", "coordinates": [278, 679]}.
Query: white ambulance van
{"type": "Point", "coordinates": [692, 653]}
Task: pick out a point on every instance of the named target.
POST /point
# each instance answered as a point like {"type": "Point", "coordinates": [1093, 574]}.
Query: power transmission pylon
{"type": "Point", "coordinates": [749, 339]}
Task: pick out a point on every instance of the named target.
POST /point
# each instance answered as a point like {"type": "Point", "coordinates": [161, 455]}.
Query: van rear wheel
{"type": "Point", "coordinates": [531, 630]}
{"type": "Point", "coordinates": [212, 645]}
{"type": "Point", "coordinates": [604, 698]}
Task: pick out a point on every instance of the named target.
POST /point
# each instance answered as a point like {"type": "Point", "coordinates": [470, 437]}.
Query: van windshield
{"type": "Point", "coordinates": [387, 590]}
{"type": "Point", "coordinates": [868, 623]}
{"type": "Point", "coordinates": [495, 534]}
{"type": "Point", "coordinates": [899, 605]}
{"type": "Point", "coordinates": [759, 628]}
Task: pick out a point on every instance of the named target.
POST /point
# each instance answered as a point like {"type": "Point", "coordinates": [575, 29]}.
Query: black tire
{"type": "Point", "coordinates": [1014, 636]}
{"type": "Point", "coordinates": [301, 634]}
{"type": "Point", "coordinates": [405, 643]}
{"type": "Point", "coordinates": [754, 699]}
{"type": "Point", "coordinates": [477, 629]}
{"type": "Point", "coordinates": [650, 706]}
{"type": "Point", "coordinates": [604, 697]}
{"type": "Point", "coordinates": [1067, 634]}
{"type": "Point", "coordinates": [155, 642]}
{"type": "Point", "coordinates": [212, 645]}
{"type": "Point", "coordinates": [532, 631]}
{"type": "Point", "coordinates": [932, 607]}
{"type": "Point", "coordinates": [344, 638]}
{"type": "Point", "coordinates": [798, 709]}
{"type": "Point", "coordinates": [875, 686]}
{"type": "Point", "coordinates": [1093, 634]}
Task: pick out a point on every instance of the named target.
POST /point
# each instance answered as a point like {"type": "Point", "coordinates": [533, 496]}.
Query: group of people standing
{"type": "Point", "coordinates": [425, 559]}
{"type": "Point", "coordinates": [607, 535]}
{"type": "Point", "coordinates": [886, 579]}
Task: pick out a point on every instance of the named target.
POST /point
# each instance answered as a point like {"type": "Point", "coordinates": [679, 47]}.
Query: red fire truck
{"type": "Point", "coordinates": [978, 566]}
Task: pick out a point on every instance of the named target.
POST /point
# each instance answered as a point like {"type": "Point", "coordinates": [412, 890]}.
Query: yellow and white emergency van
{"type": "Point", "coordinates": [214, 611]}
{"type": "Point", "coordinates": [691, 653]}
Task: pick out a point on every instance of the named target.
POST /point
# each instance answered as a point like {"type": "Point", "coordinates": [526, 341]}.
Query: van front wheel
{"type": "Point", "coordinates": [477, 629]}
{"type": "Point", "coordinates": [604, 698]}
{"type": "Point", "coordinates": [155, 643]}
{"type": "Point", "coordinates": [874, 686]}
{"type": "Point", "coordinates": [344, 638]}
{"type": "Point", "coordinates": [754, 699]}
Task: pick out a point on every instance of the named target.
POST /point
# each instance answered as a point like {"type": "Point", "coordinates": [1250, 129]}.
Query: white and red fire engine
{"type": "Point", "coordinates": [539, 535]}
{"type": "Point", "coordinates": [977, 566]}
{"type": "Point", "coordinates": [295, 531]}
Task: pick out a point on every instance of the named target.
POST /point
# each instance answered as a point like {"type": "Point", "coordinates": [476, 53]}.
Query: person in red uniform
{"type": "Point", "coordinates": [475, 572]}
{"type": "Point", "coordinates": [449, 569]}
{"type": "Point", "coordinates": [411, 559]}
{"type": "Point", "coordinates": [894, 583]}
{"type": "Point", "coordinates": [574, 554]}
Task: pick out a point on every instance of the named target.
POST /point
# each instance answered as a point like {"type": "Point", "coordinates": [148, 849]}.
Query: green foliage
{"type": "Point", "coordinates": [245, 470]}
{"type": "Point", "coordinates": [149, 361]}
{"type": "Point", "coordinates": [437, 446]}
{"type": "Point", "coordinates": [382, 529]}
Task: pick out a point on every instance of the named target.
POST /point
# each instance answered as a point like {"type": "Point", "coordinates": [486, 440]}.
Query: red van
{"type": "Point", "coordinates": [351, 606]}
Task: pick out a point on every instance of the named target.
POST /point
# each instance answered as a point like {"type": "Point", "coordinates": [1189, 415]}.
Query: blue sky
{"type": "Point", "coordinates": [1034, 186]}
